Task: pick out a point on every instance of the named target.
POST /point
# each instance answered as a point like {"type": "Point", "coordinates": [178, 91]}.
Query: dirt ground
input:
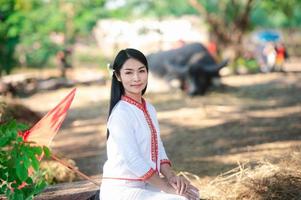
{"type": "Point", "coordinates": [247, 118]}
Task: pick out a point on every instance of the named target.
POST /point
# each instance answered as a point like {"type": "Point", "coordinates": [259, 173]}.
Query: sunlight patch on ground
{"type": "Point", "coordinates": [250, 80]}
{"type": "Point", "coordinates": [251, 153]}
{"type": "Point", "coordinates": [44, 101]}
{"type": "Point", "coordinates": [75, 142]}
{"type": "Point", "coordinates": [275, 112]}
{"type": "Point", "coordinates": [87, 122]}
{"type": "Point", "coordinates": [200, 117]}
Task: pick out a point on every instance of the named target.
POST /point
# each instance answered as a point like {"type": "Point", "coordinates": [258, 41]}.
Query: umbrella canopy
{"type": "Point", "coordinates": [44, 131]}
{"type": "Point", "coordinates": [268, 36]}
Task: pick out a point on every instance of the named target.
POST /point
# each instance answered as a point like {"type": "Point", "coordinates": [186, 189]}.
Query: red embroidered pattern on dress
{"type": "Point", "coordinates": [154, 139]}
{"type": "Point", "coordinates": [146, 176]}
{"type": "Point", "coordinates": [165, 161]}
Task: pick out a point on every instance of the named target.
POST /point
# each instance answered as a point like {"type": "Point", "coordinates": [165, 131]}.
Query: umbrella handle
{"type": "Point", "coordinates": [66, 164]}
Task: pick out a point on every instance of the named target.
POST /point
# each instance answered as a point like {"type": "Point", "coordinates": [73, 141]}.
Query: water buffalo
{"type": "Point", "coordinates": [191, 64]}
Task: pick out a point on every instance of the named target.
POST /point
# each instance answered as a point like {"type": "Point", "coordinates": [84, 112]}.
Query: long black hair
{"type": "Point", "coordinates": [117, 89]}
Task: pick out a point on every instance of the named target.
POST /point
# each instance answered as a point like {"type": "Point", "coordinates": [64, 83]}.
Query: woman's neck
{"type": "Point", "coordinates": [136, 97]}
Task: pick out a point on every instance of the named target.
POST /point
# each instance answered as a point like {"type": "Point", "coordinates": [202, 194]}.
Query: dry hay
{"type": "Point", "coordinates": [277, 179]}
{"type": "Point", "coordinates": [55, 172]}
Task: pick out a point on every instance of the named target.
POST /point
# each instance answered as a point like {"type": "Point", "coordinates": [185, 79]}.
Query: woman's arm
{"type": "Point", "coordinates": [179, 183]}
{"type": "Point", "coordinates": [167, 171]}
{"type": "Point", "coordinates": [161, 184]}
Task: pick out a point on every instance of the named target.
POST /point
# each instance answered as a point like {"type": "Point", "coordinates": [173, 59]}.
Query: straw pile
{"type": "Point", "coordinates": [55, 172]}
{"type": "Point", "coordinates": [277, 179]}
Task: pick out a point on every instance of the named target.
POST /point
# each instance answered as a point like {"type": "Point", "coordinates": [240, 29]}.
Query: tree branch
{"type": "Point", "coordinates": [199, 7]}
{"type": "Point", "coordinates": [215, 22]}
{"type": "Point", "coordinates": [243, 21]}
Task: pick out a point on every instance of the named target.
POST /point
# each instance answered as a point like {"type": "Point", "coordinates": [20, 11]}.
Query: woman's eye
{"type": "Point", "coordinates": [128, 73]}
{"type": "Point", "coordinates": [142, 71]}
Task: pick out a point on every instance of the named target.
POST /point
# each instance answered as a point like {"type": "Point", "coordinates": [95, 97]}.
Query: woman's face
{"type": "Point", "coordinates": [133, 76]}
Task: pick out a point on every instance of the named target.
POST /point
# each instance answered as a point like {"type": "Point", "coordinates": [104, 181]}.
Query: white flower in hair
{"type": "Point", "coordinates": [110, 69]}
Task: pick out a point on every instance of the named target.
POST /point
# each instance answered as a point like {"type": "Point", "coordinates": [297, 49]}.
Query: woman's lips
{"type": "Point", "coordinates": [137, 85]}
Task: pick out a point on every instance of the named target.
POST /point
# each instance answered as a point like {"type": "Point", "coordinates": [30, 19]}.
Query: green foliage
{"type": "Point", "coordinates": [277, 14]}
{"type": "Point", "coordinates": [20, 174]}
{"type": "Point", "coordinates": [152, 8]}
{"type": "Point", "coordinates": [26, 28]}
{"type": "Point", "coordinates": [36, 46]}
{"type": "Point", "coordinates": [9, 29]}
{"type": "Point", "coordinates": [86, 15]}
{"type": "Point", "coordinates": [267, 13]}
{"type": "Point", "coordinates": [249, 65]}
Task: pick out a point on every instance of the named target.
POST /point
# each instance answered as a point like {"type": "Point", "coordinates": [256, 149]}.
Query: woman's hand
{"type": "Point", "coordinates": [183, 187]}
{"type": "Point", "coordinates": [179, 183]}
{"type": "Point", "coordinates": [192, 193]}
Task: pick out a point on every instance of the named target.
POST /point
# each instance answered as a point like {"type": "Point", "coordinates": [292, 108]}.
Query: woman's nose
{"type": "Point", "coordinates": [136, 77]}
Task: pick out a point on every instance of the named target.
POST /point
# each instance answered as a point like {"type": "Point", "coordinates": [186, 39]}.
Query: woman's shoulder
{"type": "Point", "coordinates": [150, 107]}
{"type": "Point", "coordinates": [119, 114]}
{"type": "Point", "coordinates": [121, 108]}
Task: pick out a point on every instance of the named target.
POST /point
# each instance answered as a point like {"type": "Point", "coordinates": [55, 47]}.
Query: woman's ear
{"type": "Point", "coordinates": [118, 77]}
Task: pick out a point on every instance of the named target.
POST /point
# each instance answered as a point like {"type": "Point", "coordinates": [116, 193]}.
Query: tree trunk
{"type": "Point", "coordinates": [228, 35]}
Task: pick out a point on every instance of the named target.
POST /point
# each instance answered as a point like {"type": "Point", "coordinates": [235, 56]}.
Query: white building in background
{"type": "Point", "coordinates": [148, 35]}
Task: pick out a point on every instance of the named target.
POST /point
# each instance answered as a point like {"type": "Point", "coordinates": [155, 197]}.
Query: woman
{"type": "Point", "coordinates": [135, 151]}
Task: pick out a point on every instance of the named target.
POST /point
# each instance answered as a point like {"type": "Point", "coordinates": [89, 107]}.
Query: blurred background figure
{"type": "Point", "coordinates": [281, 56]}
{"type": "Point", "coordinates": [269, 56]}
{"type": "Point", "coordinates": [64, 61]}
{"type": "Point", "coordinates": [213, 48]}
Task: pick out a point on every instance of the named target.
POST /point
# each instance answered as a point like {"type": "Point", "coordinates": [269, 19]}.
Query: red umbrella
{"type": "Point", "coordinates": [43, 132]}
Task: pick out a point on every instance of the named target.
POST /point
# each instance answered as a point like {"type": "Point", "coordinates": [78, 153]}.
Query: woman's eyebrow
{"type": "Point", "coordinates": [141, 67]}
{"type": "Point", "coordinates": [130, 69]}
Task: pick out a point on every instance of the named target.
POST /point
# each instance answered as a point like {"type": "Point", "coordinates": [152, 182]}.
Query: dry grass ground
{"type": "Point", "coordinates": [248, 119]}
{"type": "Point", "coordinates": [271, 179]}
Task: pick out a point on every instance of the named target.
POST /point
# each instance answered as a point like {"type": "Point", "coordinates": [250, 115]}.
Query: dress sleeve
{"type": "Point", "coordinates": [163, 157]}
{"type": "Point", "coordinates": [122, 134]}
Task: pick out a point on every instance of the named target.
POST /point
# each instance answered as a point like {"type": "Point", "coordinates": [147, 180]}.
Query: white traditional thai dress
{"type": "Point", "coordinates": [135, 152]}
